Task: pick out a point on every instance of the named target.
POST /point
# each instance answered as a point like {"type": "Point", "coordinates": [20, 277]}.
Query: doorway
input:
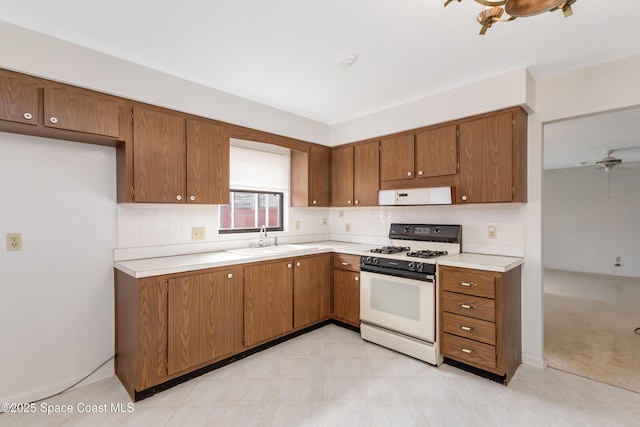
{"type": "Point", "coordinates": [591, 278]}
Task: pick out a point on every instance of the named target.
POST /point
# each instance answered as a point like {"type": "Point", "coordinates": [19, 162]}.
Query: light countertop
{"type": "Point", "coordinates": [482, 262]}
{"type": "Point", "coordinates": [199, 261]}
{"type": "Point", "coordinates": [182, 263]}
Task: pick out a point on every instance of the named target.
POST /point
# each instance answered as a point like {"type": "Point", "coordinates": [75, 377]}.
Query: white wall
{"type": "Point", "coordinates": [56, 303]}
{"type": "Point", "coordinates": [583, 229]}
{"type": "Point", "coordinates": [36, 54]}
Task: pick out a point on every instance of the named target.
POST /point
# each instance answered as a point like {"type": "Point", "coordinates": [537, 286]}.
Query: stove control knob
{"type": "Point", "coordinates": [411, 266]}
{"type": "Point", "coordinates": [407, 229]}
{"type": "Point", "coordinates": [367, 260]}
{"type": "Point", "coordinates": [420, 267]}
{"type": "Point", "coordinates": [374, 261]}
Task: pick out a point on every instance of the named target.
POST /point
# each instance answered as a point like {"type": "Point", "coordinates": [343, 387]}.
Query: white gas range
{"type": "Point", "coordinates": [398, 289]}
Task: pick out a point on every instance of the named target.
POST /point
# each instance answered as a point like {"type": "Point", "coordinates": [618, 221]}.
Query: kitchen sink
{"type": "Point", "coordinates": [271, 250]}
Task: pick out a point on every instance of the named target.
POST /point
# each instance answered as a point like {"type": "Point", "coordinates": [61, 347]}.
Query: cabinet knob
{"type": "Point", "coordinates": [467, 284]}
{"type": "Point", "coordinates": [289, 265]}
{"type": "Point", "coordinates": [466, 350]}
{"type": "Point", "coordinates": [346, 264]}
{"type": "Point", "coordinates": [348, 202]}
{"type": "Point", "coordinates": [230, 276]}
{"type": "Point", "coordinates": [464, 198]}
{"type": "Point", "coordinates": [357, 279]}
{"type": "Point", "coordinates": [313, 202]}
{"type": "Point", "coordinates": [409, 173]}
{"type": "Point", "coordinates": [53, 120]}
{"type": "Point", "coordinates": [192, 198]}
{"type": "Point", "coordinates": [178, 197]}
{"type": "Point", "coordinates": [419, 173]}
{"type": "Point", "coordinates": [297, 264]}
{"type": "Point", "coordinates": [466, 328]}
{"type": "Point", "coordinates": [356, 202]}
{"type": "Point", "coordinates": [467, 306]}
{"type": "Point", "coordinates": [27, 116]}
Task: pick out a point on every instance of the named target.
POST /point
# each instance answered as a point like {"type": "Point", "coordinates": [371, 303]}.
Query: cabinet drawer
{"type": "Point", "coordinates": [467, 327]}
{"type": "Point", "coordinates": [469, 351]}
{"type": "Point", "coordinates": [480, 308]}
{"type": "Point", "coordinates": [346, 262]}
{"type": "Point", "coordinates": [468, 282]}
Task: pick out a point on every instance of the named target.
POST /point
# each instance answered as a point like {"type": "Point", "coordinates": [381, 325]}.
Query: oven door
{"type": "Point", "coordinates": [407, 306]}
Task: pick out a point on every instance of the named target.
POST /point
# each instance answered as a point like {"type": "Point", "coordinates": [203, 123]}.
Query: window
{"type": "Point", "coordinates": [249, 211]}
{"type": "Point", "coordinates": [260, 188]}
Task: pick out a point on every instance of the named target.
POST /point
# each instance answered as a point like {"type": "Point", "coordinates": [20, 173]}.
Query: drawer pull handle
{"type": "Point", "coordinates": [467, 284]}
{"type": "Point", "coordinates": [468, 306]}
{"type": "Point", "coordinates": [466, 328]}
{"type": "Point", "coordinates": [346, 264]}
{"type": "Point", "coordinates": [466, 350]}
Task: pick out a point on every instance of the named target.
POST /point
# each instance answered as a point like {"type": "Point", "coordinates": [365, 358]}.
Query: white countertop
{"type": "Point", "coordinates": [482, 262]}
{"type": "Point", "coordinates": [182, 263]}
{"type": "Point", "coordinates": [199, 261]}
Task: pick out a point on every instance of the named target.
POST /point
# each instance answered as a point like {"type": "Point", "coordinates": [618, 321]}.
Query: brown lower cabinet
{"type": "Point", "coordinates": [170, 325]}
{"type": "Point", "coordinates": [346, 288]}
{"type": "Point", "coordinates": [480, 318]}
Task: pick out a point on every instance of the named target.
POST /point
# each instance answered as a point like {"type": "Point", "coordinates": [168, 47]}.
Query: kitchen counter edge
{"type": "Point", "coordinates": [150, 267]}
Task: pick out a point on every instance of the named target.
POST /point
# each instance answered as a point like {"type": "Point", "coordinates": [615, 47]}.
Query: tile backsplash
{"type": "Point", "coordinates": [165, 229]}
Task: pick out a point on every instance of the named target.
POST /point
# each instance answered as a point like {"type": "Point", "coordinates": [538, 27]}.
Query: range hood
{"type": "Point", "coordinates": [416, 196]}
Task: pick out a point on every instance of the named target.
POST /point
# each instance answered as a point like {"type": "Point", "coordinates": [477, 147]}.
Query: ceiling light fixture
{"type": "Point", "coordinates": [516, 9]}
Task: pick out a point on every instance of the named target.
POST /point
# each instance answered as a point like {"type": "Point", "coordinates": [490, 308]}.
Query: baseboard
{"type": "Point", "coordinates": [43, 392]}
{"type": "Point", "coordinates": [534, 361]}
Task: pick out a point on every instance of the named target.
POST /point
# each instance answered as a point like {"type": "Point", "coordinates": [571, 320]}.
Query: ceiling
{"type": "Point", "coordinates": [287, 53]}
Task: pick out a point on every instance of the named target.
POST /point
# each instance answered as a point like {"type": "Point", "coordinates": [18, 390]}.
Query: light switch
{"type": "Point", "coordinates": [492, 231]}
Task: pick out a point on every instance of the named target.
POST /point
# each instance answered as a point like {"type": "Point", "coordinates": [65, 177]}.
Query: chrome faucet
{"type": "Point", "coordinates": [263, 234]}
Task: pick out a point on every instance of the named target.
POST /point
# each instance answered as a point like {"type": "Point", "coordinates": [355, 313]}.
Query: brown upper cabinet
{"type": "Point", "coordinates": [422, 159]}
{"type": "Point", "coordinates": [207, 163]}
{"type": "Point", "coordinates": [310, 176]}
{"type": "Point", "coordinates": [54, 110]}
{"type": "Point", "coordinates": [355, 175]}
{"type": "Point", "coordinates": [82, 111]}
{"type": "Point", "coordinates": [178, 160]}
{"type": "Point", "coordinates": [493, 158]}
{"type": "Point", "coordinates": [18, 99]}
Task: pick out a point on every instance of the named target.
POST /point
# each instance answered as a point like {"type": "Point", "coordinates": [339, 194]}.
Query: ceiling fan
{"type": "Point", "coordinates": [608, 162]}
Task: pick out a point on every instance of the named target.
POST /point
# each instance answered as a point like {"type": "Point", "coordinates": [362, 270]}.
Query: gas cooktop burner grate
{"type": "Point", "coordinates": [427, 254]}
{"type": "Point", "coordinates": [390, 249]}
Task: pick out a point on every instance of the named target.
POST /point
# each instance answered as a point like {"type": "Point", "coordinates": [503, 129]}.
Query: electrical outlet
{"type": "Point", "coordinates": [297, 225]}
{"type": "Point", "coordinates": [617, 264]}
{"type": "Point", "coordinates": [492, 231]}
{"type": "Point", "coordinates": [14, 241]}
{"type": "Point", "coordinates": [197, 233]}
{"type": "Point", "coordinates": [340, 214]}
{"type": "Point", "coordinates": [347, 227]}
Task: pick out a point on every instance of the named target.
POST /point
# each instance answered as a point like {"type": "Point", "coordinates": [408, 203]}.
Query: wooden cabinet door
{"type": "Point", "coordinates": [342, 176]}
{"type": "Point", "coordinates": [204, 318]}
{"type": "Point", "coordinates": [152, 332]}
{"type": "Point", "coordinates": [311, 290]}
{"type": "Point", "coordinates": [159, 157]}
{"type": "Point", "coordinates": [397, 158]}
{"type": "Point", "coordinates": [437, 152]}
{"type": "Point", "coordinates": [268, 301]}
{"type": "Point", "coordinates": [486, 160]}
{"type": "Point", "coordinates": [207, 163]}
{"type": "Point", "coordinates": [18, 100]}
{"type": "Point", "coordinates": [81, 111]}
{"type": "Point", "coordinates": [346, 296]}
{"type": "Point", "coordinates": [366, 174]}
{"type": "Point", "coordinates": [319, 176]}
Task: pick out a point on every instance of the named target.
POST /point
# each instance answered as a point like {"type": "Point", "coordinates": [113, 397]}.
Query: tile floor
{"type": "Point", "coordinates": [330, 377]}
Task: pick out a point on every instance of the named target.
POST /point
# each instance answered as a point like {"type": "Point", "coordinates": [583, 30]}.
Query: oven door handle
{"type": "Point", "coordinates": [389, 272]}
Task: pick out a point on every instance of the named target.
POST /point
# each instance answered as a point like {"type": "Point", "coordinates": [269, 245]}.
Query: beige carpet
{"type": "Point", "coordinates": [594, 339]}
